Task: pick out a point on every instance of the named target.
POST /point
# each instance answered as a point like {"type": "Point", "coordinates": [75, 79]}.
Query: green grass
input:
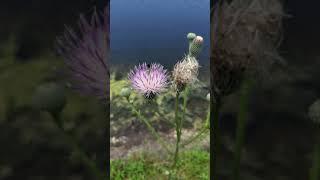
{"type": "Point", "coordinates": [192, 165]}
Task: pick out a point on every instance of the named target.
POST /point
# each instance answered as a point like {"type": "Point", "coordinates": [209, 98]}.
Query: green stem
{"type": "Point", "coordinates": [216, 137]}
{"type": "Point", "coordinates": [314, 171]}
{"type": "Point", "coordinates": [241, 125]}
{"type": "Point", "coordinates": [150, 128]}
{"type": "Point", "coordinates": [207, 124]}
{"type": "Point", "coordinates": [195, 137]}
{"type": "Point", "coordinates": [178, 133]}
{"type": "Point", "coordinates": [203, 130]}
{"type": "Point", "coordinates": [185, 100]}
{"type": "Point", "coordinates": [92, 167]}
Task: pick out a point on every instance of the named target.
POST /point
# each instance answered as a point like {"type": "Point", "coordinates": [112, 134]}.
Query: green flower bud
{"type": "Point", "coordinates": [49, 97]}
{"type": "Point", "coordinates": [125, 92]}
{"type": "Point", "coordinates": [190, 37]}
{"type": "Point", "coordinates": [196, 46]}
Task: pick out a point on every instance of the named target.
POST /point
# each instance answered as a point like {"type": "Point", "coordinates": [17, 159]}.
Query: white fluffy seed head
{"type": "Point", "coordinates": [208, 97]}
{"type": "Point", "coordinates": [314, 111]}
{"type": "Point", "coordinates": [185, 72]}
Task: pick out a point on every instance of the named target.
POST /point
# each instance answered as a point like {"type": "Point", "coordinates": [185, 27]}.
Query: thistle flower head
{"type": "Point", "coordinates": [149, 80]}
{"type": "Point", "coordinates": [86, 55]}
{"type": "Point", "coordinates": [185, 72]}
{"type": "Point", "coordinates": [245, 40]}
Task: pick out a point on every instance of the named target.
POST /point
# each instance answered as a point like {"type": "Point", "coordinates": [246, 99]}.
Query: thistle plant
{"type": "Point", "coordinates": [245, 36]}
{"type": "Point", "coordinates": [86, 56]}
{"type": "Point", "coordinates": [185, 72]}
{"type": "Point", "coordinates": [151, 80]}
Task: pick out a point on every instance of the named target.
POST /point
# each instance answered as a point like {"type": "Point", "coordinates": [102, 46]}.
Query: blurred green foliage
{"type": "Point", "coordinates": [46, 153]}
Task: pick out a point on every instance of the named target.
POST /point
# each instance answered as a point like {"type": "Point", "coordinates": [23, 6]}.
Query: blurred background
{"type": "Point", "coordinates": [280, 136]}
{"type": "Point", "coordinates": [32, 147]}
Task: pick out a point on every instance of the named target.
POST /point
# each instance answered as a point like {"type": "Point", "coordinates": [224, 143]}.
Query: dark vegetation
{"type": "Point", "coordinates": [280, 137]}
{"type": "Point", "coordinates": [32, 145]}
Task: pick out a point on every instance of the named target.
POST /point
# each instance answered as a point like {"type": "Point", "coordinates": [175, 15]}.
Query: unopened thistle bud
{"type": "Point", "coordinates": [125, 92]}
{"type": "Point", "coordinates": [196, 46]}
{"type": "Point", "coordinates": [49, 97]}
{"type": "Point", "coordinates": [190, 37]}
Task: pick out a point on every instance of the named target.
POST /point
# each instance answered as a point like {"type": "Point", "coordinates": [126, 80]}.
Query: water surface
{"type": "Point", "coordinates": [155, 30]}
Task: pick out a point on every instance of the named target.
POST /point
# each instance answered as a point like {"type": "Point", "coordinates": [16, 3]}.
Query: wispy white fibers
{"type": "Point", "coordinates": [149, 80]}
{"type": "Point", "coordinates": [86, 55]}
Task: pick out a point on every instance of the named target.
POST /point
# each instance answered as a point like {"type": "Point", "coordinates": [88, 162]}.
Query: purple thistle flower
{"type": "Point", "coordinates": [86, 55]}
{"type": "Point", "coordinates": [149, 80]}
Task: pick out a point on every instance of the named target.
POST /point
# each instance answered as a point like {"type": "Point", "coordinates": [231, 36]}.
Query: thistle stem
{"type": "Point", "coordinates": [92, 167]}
{"type": "Point", "coordinates": [150, 128]}
{"type": "Point", "coordinates": [195, 137]}
{"type": "Point", "coordinates": [178, 133]}
{"type": "Point", "coordinates": [207, 124]}
{"type": "Point", "coordinates": [241, 125]}
{"type": "Point", "coordinates": [314, 171]}
{"type": "Point", "coordinates": [185, 100]}
{"type": "Point", "coordinates": [203, 130]}
{"type": "Point", "coordinates": [216, 137]}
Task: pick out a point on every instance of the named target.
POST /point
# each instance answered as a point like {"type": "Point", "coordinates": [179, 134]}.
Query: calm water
{"type": "Point", "coordinates": [155, 30]}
